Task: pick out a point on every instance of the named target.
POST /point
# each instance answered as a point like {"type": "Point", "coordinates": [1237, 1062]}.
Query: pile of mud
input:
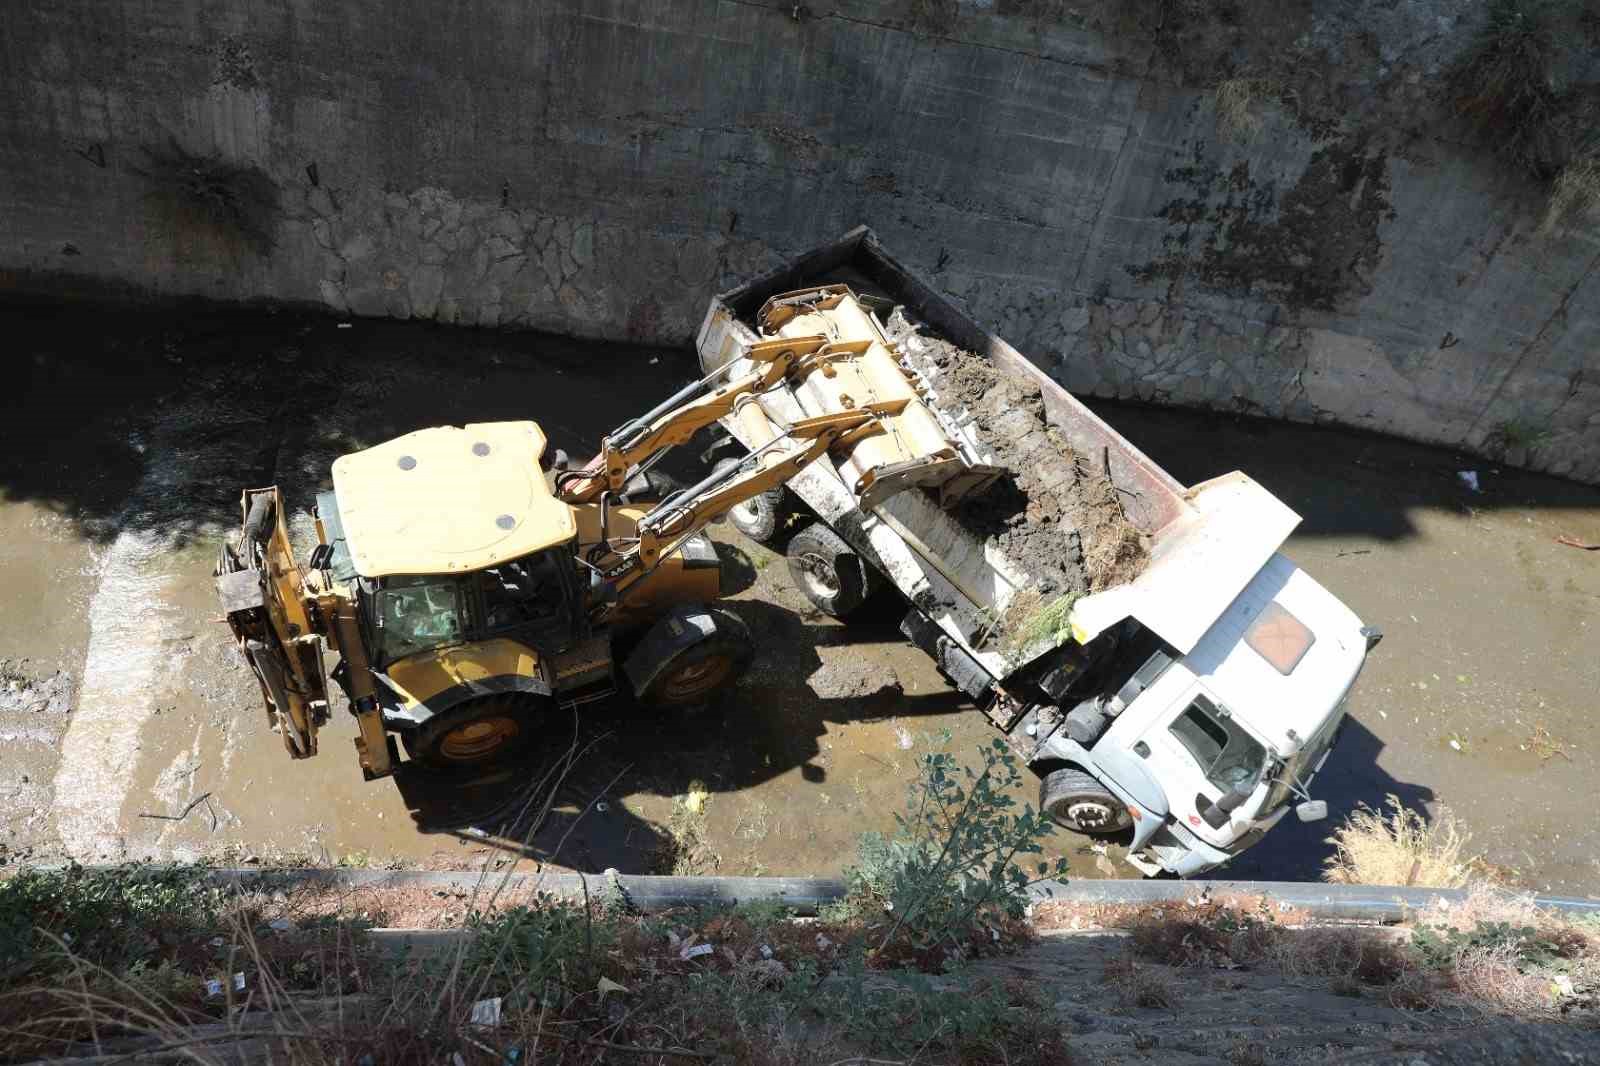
{"type": "Point", "coordinates": [1055, 514]}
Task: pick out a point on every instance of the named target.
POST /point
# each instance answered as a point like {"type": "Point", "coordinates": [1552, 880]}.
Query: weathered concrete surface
{"type": "Point", "coordinates": [598, 167]}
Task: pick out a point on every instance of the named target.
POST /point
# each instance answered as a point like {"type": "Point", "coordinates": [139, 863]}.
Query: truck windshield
{"type": "Point", "coordinates": [1227, 755]}
{"type": "Point", "coordinates": [416, 613]}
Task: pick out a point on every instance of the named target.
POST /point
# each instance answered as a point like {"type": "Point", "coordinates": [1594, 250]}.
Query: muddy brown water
{"type": "Point", "coordinates": [128, 436]}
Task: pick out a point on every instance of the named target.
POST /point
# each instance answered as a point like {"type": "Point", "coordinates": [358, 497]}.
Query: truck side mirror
{"type": "Point", "coordinates": [1311, 810]}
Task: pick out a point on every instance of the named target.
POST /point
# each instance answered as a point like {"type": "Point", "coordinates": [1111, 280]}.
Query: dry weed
{"type": "Point", "coordinates": [1575, 194]}
{"type": "Point", "coordinates": [1484, 904]}
{"type": "Point", "coordinates": [1490, 979]}
{"type": "Point", "coordinates": [1138, 984]}
{"type": "Point", "coordinates": [1235, 119]}
{"type": "Point", "coordinates": [1363, 955]}
{"type": "Point", "coordinates": [1401, 848]}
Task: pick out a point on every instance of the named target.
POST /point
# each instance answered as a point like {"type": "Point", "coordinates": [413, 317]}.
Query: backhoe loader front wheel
{"type": "Point", "coordinates": [833, 577]}
{"type": "Point", "coordinates": [477, 732]}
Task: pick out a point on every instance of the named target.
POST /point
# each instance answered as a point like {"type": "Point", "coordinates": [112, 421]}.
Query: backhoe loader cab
{"type": "Point", "coordinates": [451, 580]}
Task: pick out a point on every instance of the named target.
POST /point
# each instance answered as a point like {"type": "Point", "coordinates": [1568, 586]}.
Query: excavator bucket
{"type": "Point", "coordinates": [852, 365]}
{"type": "Point", "coordinates": [259, 585]}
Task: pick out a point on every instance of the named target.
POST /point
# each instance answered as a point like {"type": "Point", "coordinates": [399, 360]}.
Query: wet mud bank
{"type": "Point", "coordinates": [129, 436]}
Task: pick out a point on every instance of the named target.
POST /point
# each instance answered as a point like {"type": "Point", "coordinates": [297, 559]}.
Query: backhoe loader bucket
{"type": "Point", "coordinates": [855, 366]}
{"type": "Point", "coordinates": [259, 585]}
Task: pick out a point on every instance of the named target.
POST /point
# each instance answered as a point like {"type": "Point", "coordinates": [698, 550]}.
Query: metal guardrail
{"type": "Point", "coordinates": [806, 894]}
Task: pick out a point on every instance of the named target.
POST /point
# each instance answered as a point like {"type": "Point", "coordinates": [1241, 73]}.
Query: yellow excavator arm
{"type": "Point", "coordinates": [282, 618]}
{"type": "Point", "coordinates": [859, 403]}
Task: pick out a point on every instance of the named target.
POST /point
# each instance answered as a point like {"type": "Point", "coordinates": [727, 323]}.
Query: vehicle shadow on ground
{"type": "Point", "coordinates": [1342, 482]}
{"type": "Point", "coordinates": [771, 724]}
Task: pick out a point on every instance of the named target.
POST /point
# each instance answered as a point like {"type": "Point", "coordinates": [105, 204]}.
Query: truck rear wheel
{"type": "Point", "coordinates": [1077, 801]}
{"type": "Point", "coordinates": [477, 732]}
{"type": "Point", "coordinates": [833, 577]}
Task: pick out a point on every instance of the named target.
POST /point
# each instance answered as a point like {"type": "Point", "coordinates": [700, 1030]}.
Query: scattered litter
{"type": "Point", "coordinates": [1356, 551]}
{"type": "Point", "coordinates": [823, 942]}
{"type": "Point", "coordinates": [213, 988]}
{"type": "Point", "coordinates": [346, 325]}
{"type": "Point", "coordinates": [654, 359]}
{"type": "Point", "coordinates": [238, 981]}
{"type": "Point", "coordinates": [217, 941]}
{"type": "Point", "coordinates": [280, 925]}
{"type": "Point", "coordinates": [608, 986]}
{"type": "Point", "coordinates": [766, 952]}
{"type": "Point", "coordinates": [1561, 985]}
{"type": "Point", "coordinates": [474, 831]}
{"type": "Point", "coordinates": [694, 801]}
{"type": "Point", "coordinates": [602, 806]}
{"type": "Point", "coordinates": [902, 738]}
{"type": "Point", "coordinates": [1383, 714]}
{"type": "Point", "coordinates": [1469, 478]}
{"type": "Point", "coordinates": [486, 1012]}
{"type": "Point", "coordinates": [1456, 744]}
{"type": "Point", "coordinates": [694, 951]}
{"type": "Point", "coordinates": [455, 1056]}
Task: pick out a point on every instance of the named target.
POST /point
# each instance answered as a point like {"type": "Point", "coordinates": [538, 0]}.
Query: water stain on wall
{"type": "Point", "coordinates": [1314, 248]}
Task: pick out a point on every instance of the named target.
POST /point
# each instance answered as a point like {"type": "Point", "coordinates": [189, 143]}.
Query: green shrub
{"type": "Point", "coordinates": [953, 859]}
{"type": "Point", "coordinates": [118, 919]}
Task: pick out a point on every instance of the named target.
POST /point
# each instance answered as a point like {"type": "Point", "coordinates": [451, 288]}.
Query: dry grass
{"type": "Point", "coordinates": [1575, 196]}
{"type": "Point", "coordinates": [1236, 119]}
{"type": "Point", "coordinates": [1492, 979]}
{"type": "Point", "coordinates": [1400, 848]}
{"type": "Point", "coordinates": [1138, 984]}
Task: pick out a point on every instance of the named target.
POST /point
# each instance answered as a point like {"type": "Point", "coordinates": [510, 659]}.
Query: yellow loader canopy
{"type": "Point", "coordinates": [449, 500]}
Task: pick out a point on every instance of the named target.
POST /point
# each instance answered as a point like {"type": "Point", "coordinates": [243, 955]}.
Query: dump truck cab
{"type": "Point", "coordinates": [1207, 749]}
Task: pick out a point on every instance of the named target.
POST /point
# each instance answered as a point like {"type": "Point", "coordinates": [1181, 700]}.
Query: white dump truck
{"type": "Point", "coordinates": [1179, 688]}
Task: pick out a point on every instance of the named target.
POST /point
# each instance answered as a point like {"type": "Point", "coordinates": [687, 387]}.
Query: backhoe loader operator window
{"type": "Point", "coordinates": [415, 614]}
{"type": "Point", "coordinates": [1226, 753]}
{"type": "Point", "coordinates": [526, 591]}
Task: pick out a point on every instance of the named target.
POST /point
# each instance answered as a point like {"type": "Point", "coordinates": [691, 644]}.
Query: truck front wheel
{"type": "Point", "coordinates": [1082, 804]}
{"type": "Point", "coordinates": [761, 516]}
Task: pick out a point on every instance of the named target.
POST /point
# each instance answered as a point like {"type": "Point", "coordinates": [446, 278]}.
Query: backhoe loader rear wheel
{"type": "Point", "coordinates": [1079, 802]}
{"type": "Point", "coordinates": [478, 732]}
{"type": "Point", "coordinates": [833, 577]}
{"type": "Point", "coordinates": [692, 676]}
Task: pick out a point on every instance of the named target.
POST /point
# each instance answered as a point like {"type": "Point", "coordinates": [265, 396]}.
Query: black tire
{"type": "Point", "coordinates": [478, 732]}
{"type": "Point", "coordinates": [828, 571]}
{"type": "Point", "coordinates": [761, 517]}
{"type": "Point", "coordinates": [258, 522]}
{"type": "Point", "coordinates": [692, 677]}
{"type": "Point", "coordinates": [1076, 801]}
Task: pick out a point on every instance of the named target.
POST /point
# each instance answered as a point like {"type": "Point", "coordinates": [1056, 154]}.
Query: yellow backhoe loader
{"type": "Point", "coordinates": [469, 583]}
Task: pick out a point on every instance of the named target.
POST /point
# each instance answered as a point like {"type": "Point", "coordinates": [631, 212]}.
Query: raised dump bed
{"type": "Point", "coordinates": [1055, 572]}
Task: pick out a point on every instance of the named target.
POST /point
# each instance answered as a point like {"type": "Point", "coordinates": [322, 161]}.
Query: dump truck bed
{"type": "Point", "coordinates": [989, 584]}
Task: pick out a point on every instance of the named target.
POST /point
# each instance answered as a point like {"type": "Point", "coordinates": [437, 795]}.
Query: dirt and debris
{"type": "Point", "coordinates": [34, 703]}
{"type": "Point", "coordinates": [1055, 515]}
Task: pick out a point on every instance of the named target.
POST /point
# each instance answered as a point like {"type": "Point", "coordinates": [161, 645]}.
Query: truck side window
{"type": "Point", "coordinates": [1227, 754]}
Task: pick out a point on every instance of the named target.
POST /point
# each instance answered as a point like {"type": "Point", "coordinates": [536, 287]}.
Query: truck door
{"type": "Point", "coordinates": [1204, 753]}
{"type": "Point", "coordinates": [1192, 746]}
